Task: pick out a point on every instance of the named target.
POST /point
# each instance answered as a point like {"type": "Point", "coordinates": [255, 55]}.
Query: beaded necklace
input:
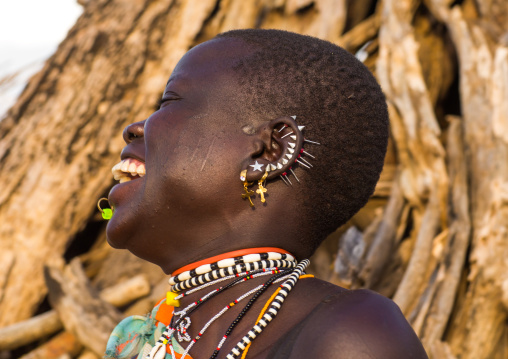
{"type": "Point", "coordinates": [272, 311]}
{"type": "Point", "coordinates": [221, 312]}
{"type": "Point", "coordinates": [158, 351]}
{"type": "Point", "coordinates": [232, 270]}
{"type": "Point", "coordinates": [207, 274]}
{"type": "Point", "coordinates": [181, 326]}
{"type": "Point", "coordinates": [246, 276]}
{"type": "Point", "coordinates": [229, 255]}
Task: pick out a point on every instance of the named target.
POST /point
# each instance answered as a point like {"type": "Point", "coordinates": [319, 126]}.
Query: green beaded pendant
{"type": "Point", "coordinates": [107, 213]}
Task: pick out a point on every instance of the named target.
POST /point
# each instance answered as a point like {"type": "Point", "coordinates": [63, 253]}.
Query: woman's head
{"type": "Point", "coordinates": [221, 112]}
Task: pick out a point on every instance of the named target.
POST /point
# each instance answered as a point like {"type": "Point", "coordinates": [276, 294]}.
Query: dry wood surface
{"type": "Point", "coordinates": [433, 237]}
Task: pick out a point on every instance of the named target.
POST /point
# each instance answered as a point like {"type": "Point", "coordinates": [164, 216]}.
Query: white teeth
{"type": "Point", "coordinates": [284, 161]}
{"type": "Point", "coordinates": [291, 144]}
{"type": "Point", "coordinates": [128, 166]}
{"type": "Point", "coordinates": [291, 150]}
{"type": "Point", "coordinates": [132, 168]}
{"type": "Point", "coordinates": [293, 137]}
{"type": "Point", "coordinates": [125, 166]}
{"type": "Point", "coordinates": [288, 155]}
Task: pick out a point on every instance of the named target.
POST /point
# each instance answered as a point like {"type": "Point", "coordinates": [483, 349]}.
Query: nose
{"type": "Point", "coordinates": [133, 131]}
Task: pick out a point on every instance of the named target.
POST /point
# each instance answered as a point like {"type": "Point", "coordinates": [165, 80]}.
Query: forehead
{"type": "Point", "coordinates": [211, 59]}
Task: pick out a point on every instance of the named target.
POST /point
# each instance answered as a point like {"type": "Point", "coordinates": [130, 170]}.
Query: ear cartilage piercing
{"type": "Point", "coordinates": [309, 141]}
{"type": "Point", "coordinates": [294, 174]}
{"type": "Point", "coordinates": [306, 153]}
{"type": "Point", "coordinates": [107, 213]}
{"type": "Point", "coordinates": [307, 162]}
{"type": "Point", "coordinates": [292, 155]}
{"type": "Point", "coordinates": [303, 164]}
{"type": "Point", "coordinates": [287, 134]}
{"type": "Point", "coordinates": [287, 178]}
{"type": "Point", "coordinates": [257, 166]}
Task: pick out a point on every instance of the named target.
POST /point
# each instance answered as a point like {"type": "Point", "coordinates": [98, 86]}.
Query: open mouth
{"type": "Point", "coordinates": [128, 169]}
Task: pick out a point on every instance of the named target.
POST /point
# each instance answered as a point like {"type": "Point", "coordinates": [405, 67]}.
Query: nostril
{"type": "Point", "coordinates": [133, 131]}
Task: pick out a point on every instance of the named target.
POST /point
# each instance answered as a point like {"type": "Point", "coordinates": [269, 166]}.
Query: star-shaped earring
{"type": "Point", "coordinates": [257, 166]}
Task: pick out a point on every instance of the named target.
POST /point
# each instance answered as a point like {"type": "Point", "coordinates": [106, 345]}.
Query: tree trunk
{"type": "Point", "coordinates": [434, 235]}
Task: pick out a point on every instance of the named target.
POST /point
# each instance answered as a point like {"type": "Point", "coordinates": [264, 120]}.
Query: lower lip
{"type": "Point", "coordinates": [121, 192]}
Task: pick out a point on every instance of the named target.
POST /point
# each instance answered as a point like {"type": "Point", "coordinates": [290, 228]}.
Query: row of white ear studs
{"type": "Point", "coordinates": [292, 155]}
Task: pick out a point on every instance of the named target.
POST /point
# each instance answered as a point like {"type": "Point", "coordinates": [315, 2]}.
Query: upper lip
{"type": "Point", "coordinates": [131, 166]}
{"type": "Point", "coordinates": [129, 153]}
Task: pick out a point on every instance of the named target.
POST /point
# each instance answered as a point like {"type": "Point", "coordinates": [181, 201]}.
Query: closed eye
{"type": "Point", "coordinates": [168, 96]}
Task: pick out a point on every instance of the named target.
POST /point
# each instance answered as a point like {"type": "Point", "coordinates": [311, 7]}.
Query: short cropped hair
{"type": "Point", "coordinates": [338, 100]}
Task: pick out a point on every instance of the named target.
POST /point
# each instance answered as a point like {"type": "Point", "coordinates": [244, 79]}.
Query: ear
{"type": "Point", "coordinates": [278, 149]}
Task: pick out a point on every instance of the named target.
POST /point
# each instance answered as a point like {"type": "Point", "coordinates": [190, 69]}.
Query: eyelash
{"type": "Point", "coordinates": [161, 101]}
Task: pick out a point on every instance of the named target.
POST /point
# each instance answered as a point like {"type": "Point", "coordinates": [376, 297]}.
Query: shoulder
{"type": "Point", "coordinates": [357, 324]}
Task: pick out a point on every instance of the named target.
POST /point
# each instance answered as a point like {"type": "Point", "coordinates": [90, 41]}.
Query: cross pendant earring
{"type": "Point", "coordinates": [248, 194]}
{"type": "Point", "coordinates": [262, 190]}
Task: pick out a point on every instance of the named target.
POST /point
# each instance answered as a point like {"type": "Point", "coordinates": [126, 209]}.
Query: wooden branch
{"type": "Point", "coordinates": [33, 329]}
{"type": "Point", "coordinates": [82, 311]}
{"type": "Point", "coordinates": [57, 347]}
{"type": "Point", "coordinates": [88, 355]}
{"type": "Point", "coordinates": [414, 277]}
{"type": "Point", "coordinates": [440, 350]}
{"type": "Point", "coordinates": [30, 330]}
{"type": "Point", "coordinates": [382, 245]}
{"type": "Point", "coordinates": [454, 256]}
{"type": "Point", "coordinates": [127, 291]}
{"type": "Point", "coordinates": [360, 34]}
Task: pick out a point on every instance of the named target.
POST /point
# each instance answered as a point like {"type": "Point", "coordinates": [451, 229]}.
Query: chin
{"type": "Point", "coordinates": [120, 230]}
{"type": "Point", "coordinates": [114, 238]}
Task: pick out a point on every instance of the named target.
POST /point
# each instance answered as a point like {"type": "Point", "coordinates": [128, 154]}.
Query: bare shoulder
{"type": "Point", "coordinates": [357, 324]}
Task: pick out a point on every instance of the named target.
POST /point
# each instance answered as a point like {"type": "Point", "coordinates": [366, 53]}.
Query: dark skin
{"type": "Point", "coordinates": [188, 207]}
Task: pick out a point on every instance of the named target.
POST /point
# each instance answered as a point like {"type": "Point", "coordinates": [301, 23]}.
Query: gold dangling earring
{"type": "Point", "coordinates": [248, 194]}
{"type": "Point", "coordinates": [262, 190]}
